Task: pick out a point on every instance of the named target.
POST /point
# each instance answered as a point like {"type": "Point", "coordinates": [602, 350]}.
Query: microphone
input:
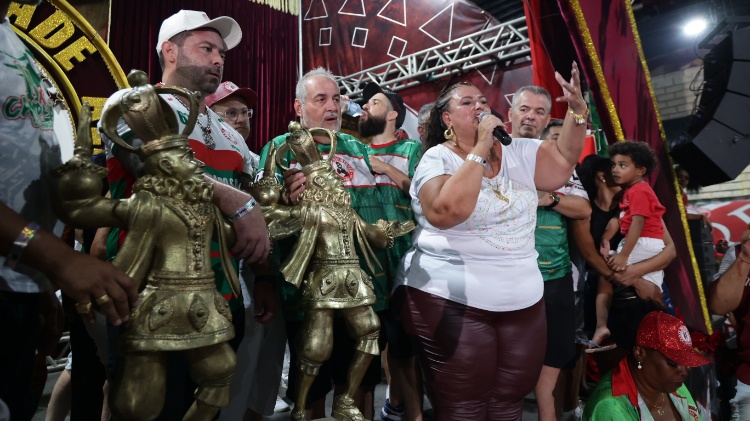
{"type": "Point", "coordinates": [498, 133]}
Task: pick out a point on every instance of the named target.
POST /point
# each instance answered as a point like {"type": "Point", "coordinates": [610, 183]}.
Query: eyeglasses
{"type": "Point", "coordinates": [233, 114]}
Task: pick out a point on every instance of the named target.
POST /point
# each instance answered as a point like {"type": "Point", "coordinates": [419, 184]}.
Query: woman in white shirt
{"type": "Point", "coordinates": [470, 286]}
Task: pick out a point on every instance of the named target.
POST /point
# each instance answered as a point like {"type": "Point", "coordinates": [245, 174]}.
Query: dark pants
{"type": "Point", "coordinates": [86, 385]}
{"type": "Point", "coordinates": [19, 328]}
{"type": "Point", "coordinates": [480, 364]}
{"type": "Point", "coordinates": [625, 315]}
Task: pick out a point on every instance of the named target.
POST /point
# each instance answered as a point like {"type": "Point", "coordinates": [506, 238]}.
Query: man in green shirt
{"type": "Point", "coordinates": [393, 162]}
{"type": "Point", "coordinates": [530, 117]}
{"type": "Point", "coordinates": [317, 104]}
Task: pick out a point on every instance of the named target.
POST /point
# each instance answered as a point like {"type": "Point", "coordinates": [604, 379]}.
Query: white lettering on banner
{"type": "Point", "coordinates": [741, 213]}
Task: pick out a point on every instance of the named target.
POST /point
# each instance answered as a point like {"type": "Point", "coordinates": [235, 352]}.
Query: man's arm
{"type": "Point", "coordinates": [252, 242]}
{"type": "Point", "coordinates": [572, 207]}
{"type": "Point", "coordinates": [78, 275]}
{"type": "Point", "coordinates": [725, 294]}
{"type": "Point", "coordinates": [633, 273]}
{"type": "Point", "coordinates": [402, 180]}
{"type": "Point", "coordinates": [580, 230]}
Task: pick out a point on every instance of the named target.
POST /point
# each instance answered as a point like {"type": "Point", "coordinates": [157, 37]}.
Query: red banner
{"type": "Point", "coordinates": [607, 44]}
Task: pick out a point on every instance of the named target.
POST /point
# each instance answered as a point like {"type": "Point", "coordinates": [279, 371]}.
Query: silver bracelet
{"type": "Point", "coordinates": [244, 210]}
{"type": "Point", "coordinates": [478, 159]}
{"type": "Point", "coordinates": [19, 245]}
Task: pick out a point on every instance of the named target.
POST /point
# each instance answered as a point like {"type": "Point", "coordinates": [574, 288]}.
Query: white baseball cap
{"type": "Point", "coordinates": [190, 20]}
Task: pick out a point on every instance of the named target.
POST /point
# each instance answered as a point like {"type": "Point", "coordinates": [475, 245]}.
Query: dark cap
{"type": "Point", "coordinates": [668, 335]}
{"type": "Point", "coordinates": [373, 88]}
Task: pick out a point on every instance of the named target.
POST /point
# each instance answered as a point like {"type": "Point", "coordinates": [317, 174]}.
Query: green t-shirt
{"type": "Point", "coordinates": [352, 164]}
{"type": "Point", "coordinates": [404, 155]}
{"type": "Point", "coordinates": [551, 236]}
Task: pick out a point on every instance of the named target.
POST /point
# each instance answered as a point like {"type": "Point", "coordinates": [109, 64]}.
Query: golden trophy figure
{"type": "Point", "coordinates": [325, 265]}
{"type": "Point", "coordinates": [170, 222]}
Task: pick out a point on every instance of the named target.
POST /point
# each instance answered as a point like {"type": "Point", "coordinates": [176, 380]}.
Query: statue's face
{"type": "Point", "coordinates": [327, 180]}
{"type": "Point", "coordinates": [181, 163]}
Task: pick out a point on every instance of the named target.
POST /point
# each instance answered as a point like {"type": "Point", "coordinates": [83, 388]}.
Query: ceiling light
{"type": "Point", "coordinates": [694, 27]}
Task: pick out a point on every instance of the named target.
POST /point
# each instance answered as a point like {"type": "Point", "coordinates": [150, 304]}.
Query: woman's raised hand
{"type": "Point", "coordinates": [572, 90]}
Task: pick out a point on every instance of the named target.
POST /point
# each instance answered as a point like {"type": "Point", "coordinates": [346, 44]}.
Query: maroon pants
{"type": "Point", "coordinates": [479, 364]}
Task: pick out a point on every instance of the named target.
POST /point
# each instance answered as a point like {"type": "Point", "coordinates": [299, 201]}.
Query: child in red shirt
{"type": "Point", "coordinates": [640, 222]}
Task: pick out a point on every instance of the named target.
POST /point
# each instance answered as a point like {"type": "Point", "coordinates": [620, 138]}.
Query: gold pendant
{"type": "Point", "coordinates": [660, 411]}
{"type": "Point", "coordinates": [500, 195]}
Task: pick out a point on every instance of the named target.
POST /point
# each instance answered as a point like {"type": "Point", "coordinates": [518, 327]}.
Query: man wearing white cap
{"type": "Point", "coordinates": [191, 49]}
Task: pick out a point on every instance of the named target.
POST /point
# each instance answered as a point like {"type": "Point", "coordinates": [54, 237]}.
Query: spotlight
{"type": "Point", "coordinates": [694, 27]}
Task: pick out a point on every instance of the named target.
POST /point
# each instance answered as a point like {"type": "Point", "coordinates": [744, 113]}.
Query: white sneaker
{"type": "Point", "coordinates": [281, 405]}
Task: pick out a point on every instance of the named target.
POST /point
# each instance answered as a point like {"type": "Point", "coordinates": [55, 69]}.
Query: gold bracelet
{"type": "Point", "coordinates": [579, 118]}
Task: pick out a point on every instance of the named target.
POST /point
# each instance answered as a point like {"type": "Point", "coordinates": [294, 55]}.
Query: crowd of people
{"type": "Point", "coordinates": [477, 309]}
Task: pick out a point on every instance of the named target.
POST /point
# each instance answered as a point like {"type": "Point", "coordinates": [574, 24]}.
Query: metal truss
{"type": "Point", "coordinates": [494, 45]}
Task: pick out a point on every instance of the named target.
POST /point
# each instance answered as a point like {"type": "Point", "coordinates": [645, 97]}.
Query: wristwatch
{"type": "Point", "coordinates": [555, 200]}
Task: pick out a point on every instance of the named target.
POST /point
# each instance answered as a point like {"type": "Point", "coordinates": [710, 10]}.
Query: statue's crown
{"type": "Point", "coordinates": [302, 144]}
{"type": "Point", "coordinates": [148, 115]}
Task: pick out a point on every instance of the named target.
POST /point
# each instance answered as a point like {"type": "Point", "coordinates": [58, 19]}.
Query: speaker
{"type": "Point", "coordinates": [703, 247]}
{"type": "Point", "coordinates": [716, 146]}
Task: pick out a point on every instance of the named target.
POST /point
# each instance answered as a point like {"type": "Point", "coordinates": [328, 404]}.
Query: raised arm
{"type": "Point", "coordinates": [555, 160]}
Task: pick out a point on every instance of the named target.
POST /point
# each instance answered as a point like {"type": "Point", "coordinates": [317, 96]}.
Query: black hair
{"type": "Point", "coordinates": [554, 123]}
{"type": "Point", "coordinates": [692, 186]}
{"type": "Point", "coordinates": [591, 165]}
{"type": "Point", "coordinates": [641, 154]}
{"type": "Point", "coordinates": [435, 125]}
{"type": "Point", "coordinates": [179, 40]}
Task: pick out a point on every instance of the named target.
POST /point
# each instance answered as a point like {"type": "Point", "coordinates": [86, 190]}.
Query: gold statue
{"type": "Point", "coordinates": [170, 222]}
{"type": "Point", "coordinates": [325, 265]}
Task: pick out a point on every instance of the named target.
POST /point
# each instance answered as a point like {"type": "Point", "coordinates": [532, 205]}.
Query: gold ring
{"type": "Point", "coordinates": [103, 299]}
{"type": "Point", "coordinates": [83, 308]}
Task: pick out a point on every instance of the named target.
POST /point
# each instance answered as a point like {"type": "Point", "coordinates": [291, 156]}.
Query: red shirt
{"type": "Point", "coordinates": [640, 199]}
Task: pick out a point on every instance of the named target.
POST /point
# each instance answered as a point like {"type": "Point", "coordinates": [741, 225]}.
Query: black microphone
{"type": "Point", "coordinates": [498, 133]}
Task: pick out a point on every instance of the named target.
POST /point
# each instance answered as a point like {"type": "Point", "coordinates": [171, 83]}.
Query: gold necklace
{"type": "Point", "coordinates": [458, 147]}
{"type": "Point", "coordinates": [498, 193]}
{"type": "Point", "coordinates": [659, 411]}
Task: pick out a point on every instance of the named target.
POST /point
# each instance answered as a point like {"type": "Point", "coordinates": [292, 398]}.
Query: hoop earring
{"type": "Point", "coordinates": [448, 133]}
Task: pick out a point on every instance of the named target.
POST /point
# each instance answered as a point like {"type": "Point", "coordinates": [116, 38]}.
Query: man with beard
{"type": "Point", "coordinates": [393, 162]}
{"type": "Point", "coordinates": [318, 104]}
{"type": "Point", "coordinates": [191, 49]}
{"type": "Point", "coordinates": [33, 260]}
